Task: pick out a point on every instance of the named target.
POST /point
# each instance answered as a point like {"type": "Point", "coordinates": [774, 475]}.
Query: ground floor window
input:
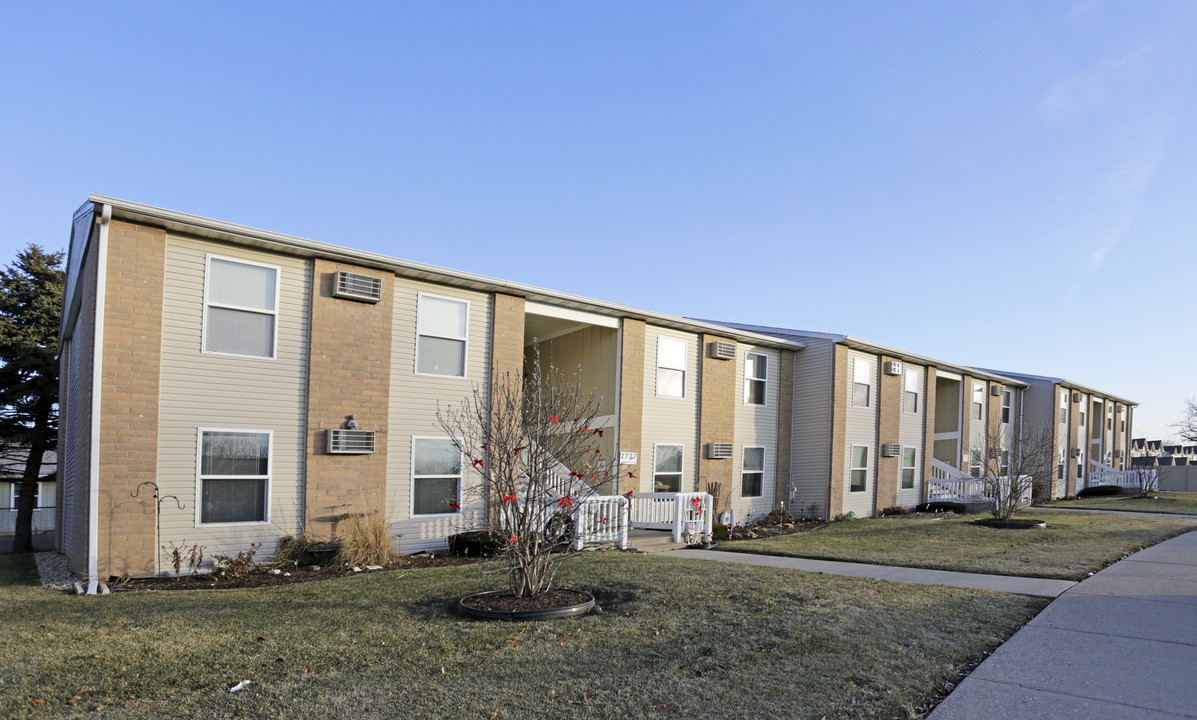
{"type": "Point", "coordinates": [436, 476]}
{"type": "Point", "coordinates": [752, 472]}
{"type": "Point", "coordinates": [14, 497]}
{"type": "Point", "coordinates": [909, 459]}
{"type": "Point", "coordinates": [860, 468]}
{"type": "Point", "coordinates": [667, 468]}
{"type": "Point", "coordinates": [976, 462]}
{"type": "Point", "coordinates": [234, 476]}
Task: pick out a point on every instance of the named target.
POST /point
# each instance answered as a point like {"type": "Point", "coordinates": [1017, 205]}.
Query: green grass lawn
{"type": "Point", "coordinates": [1070, 547]}
{"type": "Point", "coordinates": [1159, 502]}
{"type": "Point", "coordinates": [676, 639]}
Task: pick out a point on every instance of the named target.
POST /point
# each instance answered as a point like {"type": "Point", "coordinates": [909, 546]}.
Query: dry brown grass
{"type": "Point", "coordinates": [364, 539]}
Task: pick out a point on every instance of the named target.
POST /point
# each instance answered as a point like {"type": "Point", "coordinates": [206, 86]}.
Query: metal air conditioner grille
{"type": "Point", "coordinates": [891, 450]}
{"type": "Point", "coordinates": [350, 442]}
{"type": "Point", "coordinates": [719, 451]}
{"type": "Point", "coordinates": [358, 287]}
{"type": "Point", "coordinates": [721, 350]}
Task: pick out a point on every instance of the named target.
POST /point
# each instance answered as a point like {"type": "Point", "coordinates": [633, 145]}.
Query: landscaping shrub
{"type": "Point", "coordinates": [940, 506]}
{"type": "Point", "coordinates": [777, 516]}
{"type": "Point", "coordinates": [299, 550]}
{"type": "Point", "coordinates": [231, 566]}
{"type": "Point", "coordinates": [1100, 491]}
{"type": "Point", "coordinates": [364, 539]}
{"type": "Point", "coordinates": [894, 510]}
{"type": "Point", "coordinates": [719, 531]}
{"type": "Point", "coordinates": [476, 543]}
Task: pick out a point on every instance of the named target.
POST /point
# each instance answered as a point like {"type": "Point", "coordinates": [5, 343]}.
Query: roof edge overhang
{"type": "Point", "coordinates": [265, 239]}
{"type": "Point", "coordinates": [1070, 385]}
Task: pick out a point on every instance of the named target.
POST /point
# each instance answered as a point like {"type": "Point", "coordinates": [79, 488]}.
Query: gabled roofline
{"type": "Point", "coordinates": [872, 347]}
{"type": "Point", "coordinates": [1070, 385]}
{"type": "Point", "coordinates": [255, 237]}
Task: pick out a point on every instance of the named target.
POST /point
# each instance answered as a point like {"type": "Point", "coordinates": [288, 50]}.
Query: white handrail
{"type": "Point", "coordinates": [685, 514]}
{"type": "Point", "coordinates": [943, 471]}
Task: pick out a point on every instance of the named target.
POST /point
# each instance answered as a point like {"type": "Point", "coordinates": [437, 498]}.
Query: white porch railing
{"type": "Point", "coordinates": [971, 489]}
{"type": "Point", "coordinates": [1121, 478]}
{"type": "Point", "coordinates": [688, 515]}
{"type": "Point", "coordinates": [602, 518]}
{"type": "Point", "coordinates": [940, 470]}
{"type": "Point", "coordinates": [43, 520]}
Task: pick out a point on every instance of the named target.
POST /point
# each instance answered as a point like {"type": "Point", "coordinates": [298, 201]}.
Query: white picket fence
{"type": "Point", "coordinates": [690, 516]}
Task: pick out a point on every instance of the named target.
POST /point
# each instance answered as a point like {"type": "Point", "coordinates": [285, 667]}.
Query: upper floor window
{"type": "Point", "coordinates": [978, 401]}
{"type": "Point", "coordinates": [240, 307]}
{"type": "Point", "coordinates": [910, 392]}
{"type": "Point", "coordinates": [441, 326]}
{"type": "Point", "coordinates": [671, 367]}
{"type": "Point", "coordinates": [752, 472]}
{"type": "Point", "coordinates": [756, 369]}
{"type": "Point", "coordinates": [234, 476]}
{"type": "Point", "coordinates": [1007, 406]}
{"type": "Point", "coordinates": [1109, 416]}
{"type": "Point", "coordinates": [862, 374]}
{"type": "Point", "coordinates": [1063, 407]}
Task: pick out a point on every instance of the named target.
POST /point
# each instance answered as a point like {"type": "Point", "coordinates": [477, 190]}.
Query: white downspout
{"type": "Point", "coordinates": [97, 376]}
{"type": "Point", "coordinates": [618, 405]}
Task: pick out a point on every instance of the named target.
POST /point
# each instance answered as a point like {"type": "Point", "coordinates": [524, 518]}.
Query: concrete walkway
{"type": "Point", "coordinates": [1037, 587]}
{"type": "Point", "coordinates": [1121, 645]}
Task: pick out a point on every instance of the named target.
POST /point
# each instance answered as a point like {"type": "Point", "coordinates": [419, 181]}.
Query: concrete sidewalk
{"type": "Point", "coordinates": [1037, 587]}
{"type": "Point", "coordinates": [1120, 645]}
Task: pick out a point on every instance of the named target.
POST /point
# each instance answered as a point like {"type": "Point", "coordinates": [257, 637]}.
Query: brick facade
{"type": "Point", "coordinates": [889, 418]}
{"type": "Point", "coordinates": [716, 413]}
{"type": "Point", "coordinates": [631, 404]}
{"type": "Point", "coordinates": [349, 372]}
{"type": "Point", "coordinates": [839, 417]}
{"type": "Point", "coordinates": [132, 351]}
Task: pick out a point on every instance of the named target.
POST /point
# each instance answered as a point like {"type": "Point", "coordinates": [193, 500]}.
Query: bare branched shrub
{"type": "Point", "coordinates": [1014, 465]}
{"type": "Point", "coordinates": [1147, 480]}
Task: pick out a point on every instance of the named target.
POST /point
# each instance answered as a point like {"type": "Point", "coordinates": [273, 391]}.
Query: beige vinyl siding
{"type": "Point", "coordinates": [593, 349]}
{"type": "Point", "coordinates": [1081, 440]}
{"type": "Point", "coordinates": [413, 405]}
{"type": "Point", "coordinates": [666, 419]}
{"type": "Point", "coordinates": [810, 442]}
{"type": "Point", "coordinates": [911, 427]}
{"type": "Point", "coordinates": [756, 425]}
{"type": "Point", "coordinates": [977, 429]}
{"type": "Point", "coordinates": [1038, 404]}
{"type": "Point", "coordinates": [221, 392]}
{"type": "Point", "coordinates": [860, 428]}
{"type": "Point", "coordinates": [74, 469]}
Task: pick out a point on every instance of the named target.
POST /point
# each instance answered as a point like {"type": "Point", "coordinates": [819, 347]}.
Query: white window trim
{"type": "Point", "coordinates": [902, 467]}
{"type": "Point", "coordinates": [199, 490]}
{"type": "Point", "coordinates": [681, 482]}
{"type": "Point", "coordinates": [684, 370]}
{"type": "Point", "coordinates": [764, 464]}
{"type": "Point", "coordinates": [852, 385]}
{"type": "Point", "coordinates": [918, 376]}
{"type": "Point", "coordinates": [411, 492]}
{"type": "Point", "coordinates": [465, 360]}
{"type": "Point", "coordinates": [749, 380]}
{"type": "Point", "coordinates": [278, 283]}
{"type": "Point", "coordinates": [1007, 410]}
{"type": "Point", "coordinates": [12, 494]}
{"type": "Point", "coordinates": [867, 467]}
{"type": "Point", "coordinates": [974, 406]}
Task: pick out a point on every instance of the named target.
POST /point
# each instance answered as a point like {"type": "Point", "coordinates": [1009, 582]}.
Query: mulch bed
{"type": "Point", "coordinates": [290, 576]}
{"type": "Point", "coordinates": [1012, 524]}
{"type": "Point", "coordinates": [760, 531]}
{"type": "Point", "coordinates": [506, 602]}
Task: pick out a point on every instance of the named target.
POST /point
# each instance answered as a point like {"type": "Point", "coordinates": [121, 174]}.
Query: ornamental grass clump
{"type": "Point", "coordinates": [364, 539]}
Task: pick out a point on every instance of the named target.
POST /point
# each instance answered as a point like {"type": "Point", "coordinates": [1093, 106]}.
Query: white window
{"type": "Point", "coordinates": [671, 367]}
{"type": "Point", "coordinates": [756, 370]}
{"type": "Point", "coordinates": [667, 468]}
{"type": "Point", "coordinates": [1109, 416]}
{"type": "Point", "coordinates": [441, 326]}
{"type": "Point", "coordinates": [240, 307]}
{"type": "Point", "coordinates": [909, 464]}
{"type": "Point", "coordinates": [752, 472]}
{"type": "Point", "coordinates": [1003, 463]}
{"type": "Point", "coordinates": [1080, 418]}
{"type": "Point", "coordinates": [14, 495]}
{"type": "Point", "coordinates": [1007, 403]}
{"type": "Point", "coordinates": [234, 476]}
{"type": "Point", "coordinates": [860, 468]}
{"type": "Point", "coordinates": [976, 462]}
{"type": "Point", "coordinates": [910, 392]}
{"type": "Point", "coordinates": [862, 381]}
{"type": "Point", "coordinates": [978, 401]}
{"type": "Point", "coordinates": [1063, 407]}
{"type": "Point", "coordinates": [435, 476]}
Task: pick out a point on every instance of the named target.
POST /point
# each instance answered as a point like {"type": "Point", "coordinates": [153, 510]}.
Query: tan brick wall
{"type": "Point", "coordinates": [927, 454]}
{"type": "Point", "coordinates": [839, 415]}
{"type": "Point", "coordinates": [349, 372]}
{"type": "Point", "coordinates": [889, 409]}
{"type": "Point", "coordinates": [716, 414]}
{"type": "Point", "coordinates": [631, 404]}
{"type": "Point", "coordinates": [129, 399]}
{"type": "Point", "coordinates": [785, 421]}
{"type": "Point", "coordinates": [507, 359]}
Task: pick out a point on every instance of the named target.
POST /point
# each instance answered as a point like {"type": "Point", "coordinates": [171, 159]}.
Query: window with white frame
{"type": "Point", "coordinates": [752, 472]}
{"type": "Point", "coordinates": [234, 476]}
{"type": "Point", "coordinates": [1003, 463]}
{"type": "Point", "coordinates": [756, 370]}
{"type": "Point", "coordinates": [1007, 406]}
{"type": "Point", "coordinates": [435, 477]}
{"type": "Point", "coordinates": [909, 465]}
{"type": "Point", "coordinates": [1109, 417]}
{"type": "Point", "coordinates": [14, 495]}
{"type": "Point", "coordinates": [667, 468]}
{"type": "Point", "coordinates": [240, 307]}
{"type": "Point", "coordinates": [671, 367]}
{"type": "Point", "coordinates": [1063, 407]}
{"type": "Point", "coordinates": [1080, 418]}
{"type": "Point", "coordinates": [1060, 463]}
{"type": "Point", "coordinates": [978, 401]}
{"type": "Point", "coordinates": [910, 391]}
{"type": "Point", "coordinates": [976, 462]}
{"type": "Point", "coordinates": [441, 327]}
{"type": "Point", "coordinates": [1080, 464]}
{"type": "Point", "coordinates": [859, 478]}
{"type": "Point", "coordinates": [862, 381]}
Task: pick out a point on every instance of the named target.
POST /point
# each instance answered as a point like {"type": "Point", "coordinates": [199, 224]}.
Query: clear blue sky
{"type": "Point", "coordinates": [1006, 184]}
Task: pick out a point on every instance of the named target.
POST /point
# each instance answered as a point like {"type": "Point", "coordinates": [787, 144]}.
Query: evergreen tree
{"type": "Point", "coordinates": [30, 311]}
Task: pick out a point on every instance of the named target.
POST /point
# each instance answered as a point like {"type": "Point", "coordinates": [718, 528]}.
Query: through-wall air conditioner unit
{"type": "Point", "coordinates": [1076, 452]}
{"type": "Point", "coordinates": [1121, 409]}
{"type": "Point", "coordinates": [995, 453]}
{"type": "Point", "coordinates": [354, 286]}
{"type": "Point", "coordinates": [891, 450]}
{"type": "Point", "coordinates": [350, 442]}
{"type": "Point", "coordinates": [1077, 397]}
{"type": "Point", "coordinates": [722, 350]}
{"type": "Point", "coordinates": [1117, 453]}
{"type": "Point", "coordinates": [893, 367]}
{"type": "Point", "coordinates": [997, 390]}
{"type": "Point", "coordinates": [719, 451]}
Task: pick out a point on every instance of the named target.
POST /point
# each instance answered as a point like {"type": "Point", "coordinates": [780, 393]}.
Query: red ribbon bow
{"type": "Point", "coordinates": [480, 464]}
{"type": "Point", "coordinates": [565, 502]}
{"type": "Point", "coordinates": [454, 506]}
{"type": "Point", "coordinates": [508, 498]}
{"type": "Point", "coordinates": [554, 418]}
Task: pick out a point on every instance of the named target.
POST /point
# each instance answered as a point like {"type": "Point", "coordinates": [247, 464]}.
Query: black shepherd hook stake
{"type": "Point", "coordinates": [158, 500]}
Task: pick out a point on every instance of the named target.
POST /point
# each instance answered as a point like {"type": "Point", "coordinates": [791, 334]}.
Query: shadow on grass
{"type": "Point", "coordinates": [18, 570]}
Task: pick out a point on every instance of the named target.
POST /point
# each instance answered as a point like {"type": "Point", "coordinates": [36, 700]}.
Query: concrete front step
{"type": "Point", "coordinates": [657, 542]}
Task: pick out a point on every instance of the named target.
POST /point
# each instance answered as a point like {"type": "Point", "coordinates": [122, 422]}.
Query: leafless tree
{"type": "Point", "coordinates": [1187, 427]}
{"type": "Point", "coordinates": [532, 440]}
{"type": "Point", "coordinates": [1147, 479]}
{"type": "Point", "coordinates": [1012, 464]}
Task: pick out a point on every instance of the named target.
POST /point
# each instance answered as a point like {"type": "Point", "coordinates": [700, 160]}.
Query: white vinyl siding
{"type": "Point", "coordinates": [209, 390]}
{"type": "Point", "coordinates": [860, 429]}
{"type": "Point", "coordinates": [911, 430]}
{"type": "Point", "coordinates": [413, 402]}
{"type": "Point", "coordinates": [757, 426]}
{"type": "Point", "coordinates": [810, 429]}
{"type": "Point", "coordinates": [978, 435]}
{"type": "Point", "coordinates": [668, 420]}
{"type": "Point", "coordinates": [240, 307]}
